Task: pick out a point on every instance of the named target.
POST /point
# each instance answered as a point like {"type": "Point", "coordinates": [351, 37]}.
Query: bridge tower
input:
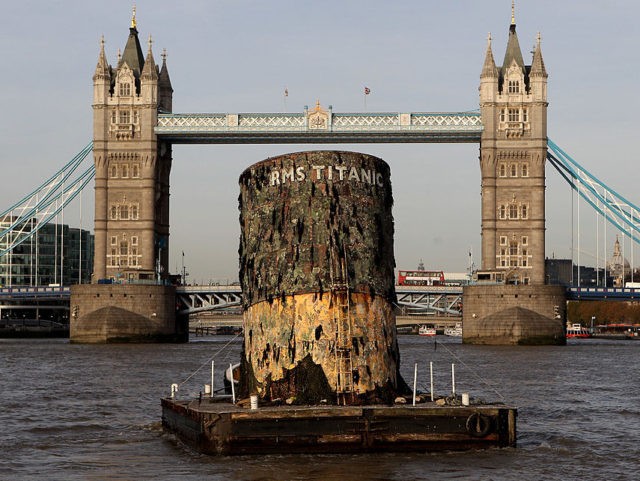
{"type": "Point", "coordinates": [513, 148]}
{"type": "Point", "coordinates": [131, 206]}
{"type": "Point", "coordinates": [511, 304]}
{"type": "Point", "coordinates": [132, 166]}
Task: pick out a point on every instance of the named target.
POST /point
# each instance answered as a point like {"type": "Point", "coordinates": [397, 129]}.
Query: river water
{"type": "Point", "coordinates": [92, 412]}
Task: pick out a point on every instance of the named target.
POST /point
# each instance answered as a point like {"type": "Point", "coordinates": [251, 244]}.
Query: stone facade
{"type": "Point", "coordinates": [102, 313]}
{"type": "Point", "coordinates": [513, 105]}
{"type": "Point", "coordinates": [514, 314]}
{"type": "Point", "coordinates": [132, 167]}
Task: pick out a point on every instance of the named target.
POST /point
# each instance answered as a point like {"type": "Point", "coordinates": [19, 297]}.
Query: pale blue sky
{"type": "Point", "coordinates": [238, 56]}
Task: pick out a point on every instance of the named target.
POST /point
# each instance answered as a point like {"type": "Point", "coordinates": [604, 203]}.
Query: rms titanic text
{"type": "Point", "coordinates": [326, 172]}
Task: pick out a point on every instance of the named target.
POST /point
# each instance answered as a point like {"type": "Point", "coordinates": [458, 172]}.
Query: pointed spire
{"type": "Point", "coordinates": [149, 71]}
{"type": "Point", "coordinates": [513, 53]}
{"type": "Point", "coordinates": [489, 69]}
{"type": "Point", "coordinates": [102, 68]}
{"type": "Point", "coordinates": [537, 66]}
{"type": "Point", "coordinates": [165, 90]}
{"type": "Point", "coordinates": [132, 54]}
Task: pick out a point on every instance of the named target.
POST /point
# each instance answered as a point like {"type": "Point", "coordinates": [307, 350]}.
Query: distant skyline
{"type": "Point", "coordinates": [414, 56]}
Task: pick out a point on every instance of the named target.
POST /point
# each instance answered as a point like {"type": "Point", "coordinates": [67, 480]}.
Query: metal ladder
{"type": "Point", "coordinates": [342, 318]}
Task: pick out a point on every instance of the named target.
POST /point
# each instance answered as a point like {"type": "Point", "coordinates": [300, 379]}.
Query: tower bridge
{"type": "Point", "coordinates": [134, 130]}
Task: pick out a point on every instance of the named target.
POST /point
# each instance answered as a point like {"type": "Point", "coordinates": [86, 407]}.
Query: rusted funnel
{"type": "Point", "coordinates": [316, 269]}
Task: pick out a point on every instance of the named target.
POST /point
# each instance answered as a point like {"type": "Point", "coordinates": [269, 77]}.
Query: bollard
{"type": "Point", "coordinates": [207, 389]}
{"type": "Point", "coordinates": [213, 363]}
{"type": "Point", "coordinates": [465, 398]}
{"type": "Point", "coordinates": [431, 369]}
{"type": "Point", "coordinates": [254, 402]}
{"type": "Point", "coordinates": [415, 380]}
{"type": "Point", "coordinates": [174, 390]}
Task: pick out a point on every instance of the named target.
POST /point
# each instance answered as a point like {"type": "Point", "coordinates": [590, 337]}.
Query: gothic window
{"type": "Point", "coordinates": [503, 170]}
{"type": "Point", "coordinates": [503, 115]}
{"type": "Point", "coordinates": [124, 248]}
{"type": "Point", "coordinates": [524, 258]}
{"type": "Point", "coordinates": [114, 212]}
{"type": "Point", "coordinates": [514, 86]}
{"type": "Point", "coordinates": [525, 211]}
{"type": "Point", "coordinates": [514, 170]}
{"type": "Point", "coordinates": [503, 211]}
{"type": "Point", "coordinates": [134, 211]}
{"type": "Point", "coordinates": [114, 172]}
{"type": "Point", "coordinates": [525, 115]}
{"type": "Point", "coordinates": [125, 89]}
{"type": "Point", "coordinates": [135, 171]}
{"type": "Point", "coordinates": [125, 170]}
{"type": "Point", "coordinates": [113, 116]}
{"type": "Point", "coordinates": [503, 240]}
{"type": "Point", "coordinates": [514, 115]}
{"type": "Point", "coordinates": [114, 241]}
{"type": "Point", "coordinates": [134, 240]}
{"type": "Point", "coordinates": [513, 211]}
{"type": "Point", "coordinates": [525, 240]}
{"type": "Point", "coordinates": [135, 116]}
{"type": "Point", "coordinates": [124, 212]}
{"type": "Point", "coordinates": [114, 258]}
{"type": "Point", "coordinates": [525, 169]}
{"type": "Point", "coordinates": [125, 117]}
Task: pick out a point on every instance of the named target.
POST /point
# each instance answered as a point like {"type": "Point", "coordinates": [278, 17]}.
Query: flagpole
{"type": "Point", "coordinates": [284, 98]}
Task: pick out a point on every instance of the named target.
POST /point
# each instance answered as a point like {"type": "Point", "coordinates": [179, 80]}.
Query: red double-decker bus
{"type": "Point", "coordinates": [420, 278]}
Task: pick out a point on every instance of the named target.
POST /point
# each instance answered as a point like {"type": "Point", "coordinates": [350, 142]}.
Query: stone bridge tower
{"type": "Point", "coordinates": [125, 302]}
{"type": "Point", "coordinates": [132, 166]}
{"type": "Point", "coordinates": [510, 304]}
{"type": "Point", "coordinates": [513, 148]}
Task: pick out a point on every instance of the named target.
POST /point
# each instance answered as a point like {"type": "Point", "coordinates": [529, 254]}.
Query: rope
{"type": "Point", "coordinates": [208, 361]}
{"type": "Point", "coordinates": [482, 380]}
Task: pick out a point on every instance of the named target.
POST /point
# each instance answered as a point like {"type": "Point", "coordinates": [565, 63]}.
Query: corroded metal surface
{"type": "Point", "coordinates": [316, 270]}
{"type": "Point", "coordinates": [278, 336]}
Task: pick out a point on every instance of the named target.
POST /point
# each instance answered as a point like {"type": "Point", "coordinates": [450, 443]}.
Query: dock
{"type": "Point", "coordinates": [222, 428]}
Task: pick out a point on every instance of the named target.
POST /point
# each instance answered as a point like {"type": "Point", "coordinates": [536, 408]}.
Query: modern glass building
{"type": "Point", "coordinates": [54, 255]}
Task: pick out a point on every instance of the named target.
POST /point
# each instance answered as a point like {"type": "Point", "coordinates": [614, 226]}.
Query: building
{"type": "Point", "coordinates": [51, 254]}
{"type": "Point", "coordinates": [513, 148]}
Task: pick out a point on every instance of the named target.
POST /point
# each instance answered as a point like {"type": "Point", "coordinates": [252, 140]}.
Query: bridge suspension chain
{"type": "Point", "coordinates": [622, 213]}
{"type": "Point", "coordinates": [27, 216]}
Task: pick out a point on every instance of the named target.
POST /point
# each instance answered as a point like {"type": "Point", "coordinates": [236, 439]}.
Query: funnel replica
{"type": "Point", "coordinates": [316, 269]}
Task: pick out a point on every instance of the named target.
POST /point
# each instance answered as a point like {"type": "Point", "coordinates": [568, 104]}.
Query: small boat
{"type": "Point", "coordinates": [577, 331]}
{"type": "Point", "coordinates": [454, 331]}
{"type": "Point", "coordinates": [427, 331]}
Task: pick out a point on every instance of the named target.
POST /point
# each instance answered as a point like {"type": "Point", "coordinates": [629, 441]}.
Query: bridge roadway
{"type": "Point", "coordinates": [319, 126]}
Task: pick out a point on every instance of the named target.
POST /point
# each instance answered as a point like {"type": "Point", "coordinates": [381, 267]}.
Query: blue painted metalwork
{"type": "Point", "coordinates": [622, 213]}
{"type": "Point", "coordinates": [27, 216]}
{"type": "Point", "coordinates": [602, 293]}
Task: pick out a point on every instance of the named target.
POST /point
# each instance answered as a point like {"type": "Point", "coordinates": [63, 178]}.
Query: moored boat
{"type": "Point", "coordinates": [427, 331]}
{"type": "Point", "coordinates": [454, 331]}
{"type": "Point", "coordinates": [577, 331]}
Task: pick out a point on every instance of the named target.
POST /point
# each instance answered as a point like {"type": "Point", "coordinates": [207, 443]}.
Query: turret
{"type": "Point", "coordinates": [165, 90]}
{"type": "Point", "coordinates": [101, 78]}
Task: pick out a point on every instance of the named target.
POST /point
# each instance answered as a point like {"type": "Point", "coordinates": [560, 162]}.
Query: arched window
{"type": "Point", "coordinates": [514, 170]}
{"type": "Point", "coordinates": [514, 86]}
{"type": "Point", "coordinates": [135, 171]}
{"type": "Point", "coordinates": [114, 172]}
{"type": "Point", "coordinates": [124, 212]}
{"type": "Point", "coordinates": [114, 212]}
{"type": "Point", "coordinates": [525, 170]}
{"type": "Point", "coordinates": [503, 170]}
{"type": "Point", "coordinates": [124, 248]}
{"type": "Point", "coordinates": [125, 117]}
{"type": "Point", "coordinates": [525, 211]}
{"type": "Point", "coordinates": [134, 212]}
{"type": "Point", "coordinates": [513, 211]}
{"type": "Point", "coordinates": [503, 211]}
{"type": "Point", "coordinates": [125, 170]}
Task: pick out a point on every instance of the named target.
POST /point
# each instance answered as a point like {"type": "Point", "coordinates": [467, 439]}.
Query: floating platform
{"type": "Point", "coordinates": [222, 428]}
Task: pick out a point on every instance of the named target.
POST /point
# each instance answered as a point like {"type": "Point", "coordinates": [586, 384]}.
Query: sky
{"type": "Point", "coordinates": [235, 56]}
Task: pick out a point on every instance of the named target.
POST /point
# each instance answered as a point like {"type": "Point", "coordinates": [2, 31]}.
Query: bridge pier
{"type": "Point", "coordinates": [102, 313]}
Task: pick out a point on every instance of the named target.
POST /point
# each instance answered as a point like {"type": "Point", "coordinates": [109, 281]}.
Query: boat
{"type": "Point", "coordinates": [577, 331]}
{"type": "Point", "coordinates": [427, 331]}
{"type": "Point", "coordinates": [454, 331]}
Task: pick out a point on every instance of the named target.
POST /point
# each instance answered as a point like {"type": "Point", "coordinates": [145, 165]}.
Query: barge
{"type": "Point", "coordinates": [217, 427]}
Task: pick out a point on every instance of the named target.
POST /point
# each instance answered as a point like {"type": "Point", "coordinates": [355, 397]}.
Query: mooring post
{"type": "Point", "coordinates": [431, 370]}
{"type": "Point", "coordinates": [453, 380]}
{"type": "Point", "coordinates": [213, 364]}
{"type": "Point", "coordinates": [415, 381]}
{"type": "Point", "coordinates": [233, 388]}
